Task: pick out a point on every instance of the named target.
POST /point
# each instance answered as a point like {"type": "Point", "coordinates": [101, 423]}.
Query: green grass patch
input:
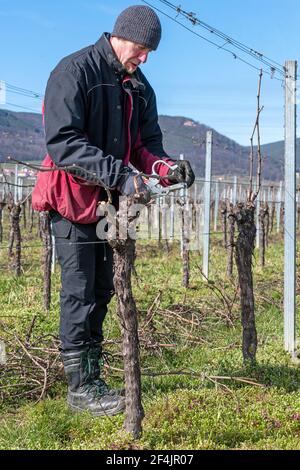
{"type": "Point", "coordinates": [199, 400]}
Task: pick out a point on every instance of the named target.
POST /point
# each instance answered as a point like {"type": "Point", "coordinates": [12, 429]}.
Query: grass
{"type": "Point", "coordinates": [181, 411]}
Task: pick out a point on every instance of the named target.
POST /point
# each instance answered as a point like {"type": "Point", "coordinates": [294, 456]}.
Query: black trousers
{"type": "Point", "coordinates": [86, 281]}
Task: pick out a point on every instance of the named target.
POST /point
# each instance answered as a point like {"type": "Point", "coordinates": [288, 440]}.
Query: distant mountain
{"type": "Point", "coordinates": [275, 152]}
{"type": "Point", "coordinates": [22, 136]}
{"type": "Point", "coordinates": [183, 135]}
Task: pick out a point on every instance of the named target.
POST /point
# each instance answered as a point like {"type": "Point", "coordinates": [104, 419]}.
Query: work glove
{"type": "Point", "coordinates": [181, 172]}
{"type": "Point", "coordinates": [132, 184]}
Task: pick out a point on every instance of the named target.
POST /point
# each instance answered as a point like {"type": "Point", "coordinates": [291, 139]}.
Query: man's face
{"type": "Point", "coordinates": [130, 54]}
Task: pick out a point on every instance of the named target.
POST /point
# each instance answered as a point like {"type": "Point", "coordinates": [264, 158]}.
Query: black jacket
{"type": "Point", "coordinates": [85, 112]}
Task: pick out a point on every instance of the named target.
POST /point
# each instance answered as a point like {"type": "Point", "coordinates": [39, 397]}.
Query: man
{"type": "Point", "coordinates": [100, 115]}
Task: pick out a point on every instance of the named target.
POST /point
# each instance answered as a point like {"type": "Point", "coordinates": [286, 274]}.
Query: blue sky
{"type": "Point", "coordinates": [191, 78]}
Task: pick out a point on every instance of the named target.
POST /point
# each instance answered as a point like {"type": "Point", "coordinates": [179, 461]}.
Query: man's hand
{"type": "Point", "coordinates": [132, 184]}
{"type": "Point", "coordinates": [181, 172]}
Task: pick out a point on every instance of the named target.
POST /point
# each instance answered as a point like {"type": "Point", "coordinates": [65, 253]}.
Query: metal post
{"type": "Point", "coordinates": [195, 191]}
{"type": "Point", "coordinates": [155, 219]}
{"type": "Point", "coordinates": [234, 196]}
{"type": "Point", "coordinates": [164, 229]}
{"type": "Point", "coordinates": [207, 190]}
{"type": "Point", "coordinates": [224, 194]}
{"type": "Point", "coordinates": [290, 208]}
{"type": "Point", "coordinates": [216, 206]}
{"type": "Point", "coordinates": [172, 231]}
{"type": "Point", "coordinates": [195, 204]}
{"type": "Point", "coordinates": [16, 184]}
{"type": "Point", "coordinates": [149, 220]}
{"type": "Point", "coordinates": [182, 195]}
{"type": "Point", "coordinates": [240, 193]}
{"type": "Point", "coordinates": [20, 188]}
{"type": "Point", "coordinates": [265, 196]}
{"type": "Point", "coordinates": [229, 194]}
{"type": "Point", "coordinates": [269, 199]}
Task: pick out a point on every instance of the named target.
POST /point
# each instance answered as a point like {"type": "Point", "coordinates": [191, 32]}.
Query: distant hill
{"type": "Point", "coordinates": [22, 136]}
{"type": "Point", "coordinates": [275, 153]}
{"type": "Point", "coordinates": [183, 135]}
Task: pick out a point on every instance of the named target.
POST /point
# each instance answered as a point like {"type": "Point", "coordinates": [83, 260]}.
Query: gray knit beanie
{"type": "Point", "coordinates": [139, 24]}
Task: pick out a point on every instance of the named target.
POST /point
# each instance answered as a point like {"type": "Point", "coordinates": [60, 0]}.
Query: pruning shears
{"type": "Point", "coordinates": [153, 182]}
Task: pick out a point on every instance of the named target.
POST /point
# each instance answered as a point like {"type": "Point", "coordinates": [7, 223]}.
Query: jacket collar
{"type": "Point", "coordinates": [106, 51]}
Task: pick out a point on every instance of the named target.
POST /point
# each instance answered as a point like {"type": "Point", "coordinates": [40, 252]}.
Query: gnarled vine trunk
{"type": "Point", "coordinates": [124, 256]}
{"type": "Point", "coordinates": [15, 235]}
{"type": "Point", "coordinates": [244, 248]}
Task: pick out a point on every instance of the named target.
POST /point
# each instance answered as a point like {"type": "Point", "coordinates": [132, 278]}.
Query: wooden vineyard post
{"type": "Point", "coordinates": [24, 215]}
{"type": "Point", "coordinates": [47, 256]}
{"type": "Point", "coordinates": [29, 202]}
{"type": "Point", "coordinates": [272, 215]}
{"type": "Point", "coordinates": [267, 223]}
{"type": "Point", "coordinates": [224, 222]}
{"type": "Point", "coordinates": [31, 217]}
{"type": "Point", "coordinates": [263, 233]}
{"type": "Point", "coordinates": [230, 246]}
{"type": "Point", "coordinates": [124, 255]}
{"type": "Point", "coordinates": [11, 230]}
{"type": "Point", "coordinates": [15, 234]}
{"type": "Point", "coordinates": [2, 205]}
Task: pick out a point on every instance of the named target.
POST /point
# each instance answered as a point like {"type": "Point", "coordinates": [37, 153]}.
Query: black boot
{"type": "Point", "coordinates": [82, 393]}
{"type": "Point", "coordinates": [96, 360]}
